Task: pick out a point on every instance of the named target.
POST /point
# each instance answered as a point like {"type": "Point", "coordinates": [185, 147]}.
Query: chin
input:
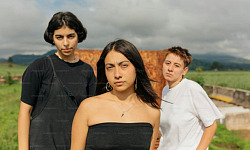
{"type": "Point", "coordinates": [170, 80]}
{"type": "Point", "coordinates": [123, 90]}
{"type": "Point", "coordinates": [167, 78]}
{"type": "Point", "coordinates": [120, 90]}
{"type": "Point", "coordinates": [67, 54]}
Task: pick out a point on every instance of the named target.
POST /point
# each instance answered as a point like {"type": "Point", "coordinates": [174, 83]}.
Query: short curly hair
{"type": "Point", "coordinates": [61, 19]}
{"type": "Point", "coordinates": [183, 53]}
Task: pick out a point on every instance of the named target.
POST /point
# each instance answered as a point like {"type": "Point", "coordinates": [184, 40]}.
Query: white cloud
{"type": "Point", "coordinates": [200, 26]}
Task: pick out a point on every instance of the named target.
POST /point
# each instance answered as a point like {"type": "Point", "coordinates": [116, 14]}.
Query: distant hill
{"type": "Point", "coordinates": [229, 62]}
{"type": "Point", "coordinates": [203, 61]}
{"type": "Point", "coordinates": [221, 58]}
{"type": "Point", "coordinates": [27, 59]}
{"type": "Point", "coordinates": [3, 60]}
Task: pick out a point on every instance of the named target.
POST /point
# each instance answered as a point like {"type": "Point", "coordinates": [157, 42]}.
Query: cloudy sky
{"type": "Point", "coordinates": [209, 26]}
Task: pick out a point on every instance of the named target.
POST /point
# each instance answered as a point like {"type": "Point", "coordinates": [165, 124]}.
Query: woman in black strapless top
{"type": "Point", "coordinates": [125, 114]}
{"type": "Point", "coordinates": [119, 136]}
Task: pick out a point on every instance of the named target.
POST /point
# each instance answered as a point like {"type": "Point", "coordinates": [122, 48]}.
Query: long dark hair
{"type": "Point", "coordinates": [144, 89]}
{"type": "Point", "coordinates": [61, 19]}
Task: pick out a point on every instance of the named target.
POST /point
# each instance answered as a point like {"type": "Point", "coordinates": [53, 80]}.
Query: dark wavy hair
{"type": "Point", "coordinates": [144, 89]}
{"type": "Point", "coordinates": [61, 19]}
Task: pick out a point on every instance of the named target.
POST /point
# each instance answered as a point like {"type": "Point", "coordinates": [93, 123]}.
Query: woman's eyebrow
{"type": "Point", "coordinates": [123, 62]}
{"type": "Point", "coordinates": [67, 35]}
{"type": "Point", "coordinates": [109, 64]}
{"type": "Point", "coordinates": [118, 63]}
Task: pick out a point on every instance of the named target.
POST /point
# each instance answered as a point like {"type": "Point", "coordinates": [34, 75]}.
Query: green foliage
{"type": "Point", "coordinates": [198, 77]}
{"type": "Point", "coordinates": [9, 109]}
{"type": "Point", "coordinates": [10, 61]}
{"type": "Point", "coordinates": [216, 66]}
{"type": "Point", "coordinates": [233, 79]}
{"type": "Point", "coordinates": [227, 140]}
{"type": "Point", "coordinates": [8, 79]}
{"type": "Point", "coordinates": [198, 69]}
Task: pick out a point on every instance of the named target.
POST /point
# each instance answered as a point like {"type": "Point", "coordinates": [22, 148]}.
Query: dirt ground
{"type": "Point", "coordinates": [245, 134]}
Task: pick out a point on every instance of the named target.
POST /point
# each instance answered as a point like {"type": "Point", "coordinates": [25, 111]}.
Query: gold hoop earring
{"type": "Point", "coordinates": [135, 84]}
{"type": "Point", "coordinates": [108, 87]}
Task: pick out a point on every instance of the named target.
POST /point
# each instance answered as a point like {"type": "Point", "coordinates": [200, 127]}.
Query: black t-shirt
{"type": "Point", "coordinates": [78, 77]}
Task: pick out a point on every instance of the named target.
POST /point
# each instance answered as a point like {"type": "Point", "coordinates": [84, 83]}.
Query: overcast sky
{"type": "Point", "coordinates": [202, 26]}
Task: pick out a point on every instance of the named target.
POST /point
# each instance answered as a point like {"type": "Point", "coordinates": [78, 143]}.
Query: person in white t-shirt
{"type": "Point", "coordinates": [188, 116]}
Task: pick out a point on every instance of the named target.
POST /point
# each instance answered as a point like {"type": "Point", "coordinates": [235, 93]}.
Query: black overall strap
{"type": "Point", "coordinates": [54, 72]}
{"type": "Point", "coordinates": [69, 93]}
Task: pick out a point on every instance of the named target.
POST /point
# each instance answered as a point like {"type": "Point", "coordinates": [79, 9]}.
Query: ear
{"type": "Point", "coordinates": [185, 71]}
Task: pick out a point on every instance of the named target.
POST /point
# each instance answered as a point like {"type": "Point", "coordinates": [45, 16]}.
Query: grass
{"type": "Point", "coordinates": [10, 95]}
{"type": "Point", "coordinates": [9, 109]}
{"type": "Point", "coordinates": [233, 79]}
{"type": "Point", "coordinates": [228, 140]}
{"type": "Point", "coordinates": [14, 70]}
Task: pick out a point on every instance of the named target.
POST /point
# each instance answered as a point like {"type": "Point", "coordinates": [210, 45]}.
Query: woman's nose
{"type": "Point", "coordinates": [66, 42]}
{"type": "Point", "coordinates": [117, 73]}
{"type": "Point", "coordinates": [170, 67]}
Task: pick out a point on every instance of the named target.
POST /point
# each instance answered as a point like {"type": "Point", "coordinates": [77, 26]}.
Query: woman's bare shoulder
{"type": "Point", "coordinates": [93, 102]}
{"type": "Point", "coordinates": [155, 112]}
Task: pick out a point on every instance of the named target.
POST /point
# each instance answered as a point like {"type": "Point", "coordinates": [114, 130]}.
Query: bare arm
{"type": "Point", "coordinates": [207, 136]}
{"type": "Point", "coordinates": [155, 131]}
{"type": "Point", "coordinates": [79, 129]}
{"type": "Point", "coordinates": [24, 126]}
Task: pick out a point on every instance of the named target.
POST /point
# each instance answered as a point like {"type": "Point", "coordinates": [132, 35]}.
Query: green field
{"type": "Point", "coordinates": [9, 108]}
{"type": "Point", "coordinates": [14, 70]}
{"type": "Point", "coordinates": [10, 95]}
{"type": "Point", "coordinates": [233, 79]}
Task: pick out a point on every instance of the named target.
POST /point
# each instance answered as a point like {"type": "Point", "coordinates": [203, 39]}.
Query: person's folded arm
{"type": "Point", "coordinates": [207, 136]}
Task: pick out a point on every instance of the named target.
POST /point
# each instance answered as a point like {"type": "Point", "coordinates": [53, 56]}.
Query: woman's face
{"type": "Point", "coordinates": [173, 69]}
{"type": "Point", "coordinates": [66, 41]}
{"type": "Point", "coordinates": [120, 72]}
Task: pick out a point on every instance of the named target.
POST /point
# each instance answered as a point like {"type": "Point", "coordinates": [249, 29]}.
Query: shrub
{"type": "Point", "coordinates": [199, 79]}
{"type": "Point", "coordinates": [8, 79]}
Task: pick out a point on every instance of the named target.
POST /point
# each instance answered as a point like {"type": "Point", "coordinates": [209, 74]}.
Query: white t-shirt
{"type": "Point", "coordinates": [186, 111]}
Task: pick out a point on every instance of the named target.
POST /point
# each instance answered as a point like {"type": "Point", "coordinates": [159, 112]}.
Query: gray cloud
{"type": "Point", "coordinates": [21, 27]}
{"type": "Point", "coordinates": [200, 26]}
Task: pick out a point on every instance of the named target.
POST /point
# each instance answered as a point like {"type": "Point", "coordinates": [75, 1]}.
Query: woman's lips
{"type": "Point", "coordinates": [119, 83]}
{"type": "Point", "coordinates": [169, 74]}
{"type": "Point", "coordinates": [67, 50]}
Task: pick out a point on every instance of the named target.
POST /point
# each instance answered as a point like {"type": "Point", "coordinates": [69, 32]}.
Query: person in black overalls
{"type": "Point", "coordinates": [53, 87]}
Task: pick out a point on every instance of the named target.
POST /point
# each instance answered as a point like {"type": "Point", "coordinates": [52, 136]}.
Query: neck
{"type": "Point", "coordinates": [71, 58]}
{"type": "Point", "coordinates": [126, 98]}
{"type": "Point", "coordinates": [173, 84]}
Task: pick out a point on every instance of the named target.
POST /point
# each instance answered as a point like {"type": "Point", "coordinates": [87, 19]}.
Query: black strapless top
{"type": "Point", "coordinates": [119, 136]}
